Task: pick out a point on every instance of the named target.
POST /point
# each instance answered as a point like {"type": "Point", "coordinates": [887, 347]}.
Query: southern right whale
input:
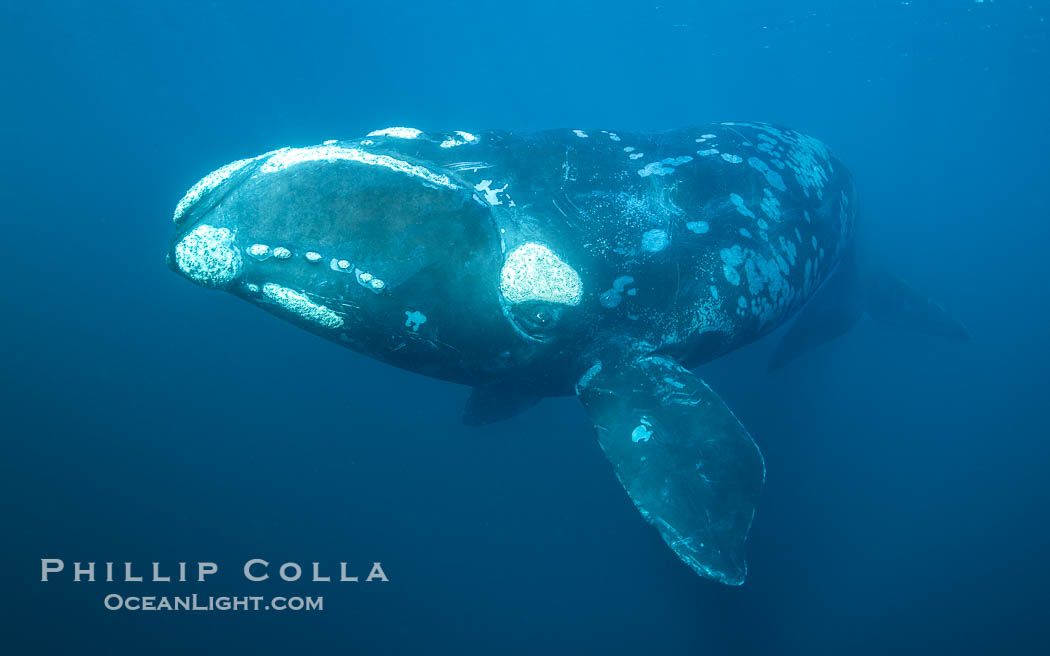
{"type": "Point", "coordinates": [589, 262]}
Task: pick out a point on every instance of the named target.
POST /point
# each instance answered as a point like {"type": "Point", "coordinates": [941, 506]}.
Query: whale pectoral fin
{"type": "Point", "coordinates": [686, 461]}
{"type": "Point", "coordinates": [493, 403]}
{"type": "Point", "coordinates": [832, 311]}
{"type": "Point", "coordinates": [890, 299]}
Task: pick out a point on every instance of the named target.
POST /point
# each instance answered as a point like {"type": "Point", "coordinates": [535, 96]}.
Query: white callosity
{"type": "Point", "coordinates": [206, 184]}
{"type": "Point", "coordinates": [458, 139]}
{"type": "Point", "coordinates": [399, 132]}
{"type": "Point", "coordinates": [532, 272]}
{"type": "Point", "coordinates": [208, 256]}
{"type": "Point", "coordinates": [283, 159]}
{"type": "Point", "coordinates": [300, 304]}
{"type": "Point", "coordinates": [312, 256]}
{"type": "Point", "coordinates": [282, 253]}
{"type": "Point", "coordinates": [655, 241]}
{"type": "Point", "coordinates": [259, 251]}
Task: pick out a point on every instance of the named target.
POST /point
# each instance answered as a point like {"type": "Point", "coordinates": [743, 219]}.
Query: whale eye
{"type": "Point", "coordinates": [537, 319]}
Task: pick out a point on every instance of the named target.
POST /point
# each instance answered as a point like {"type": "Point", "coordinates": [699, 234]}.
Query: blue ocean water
{"type": "Point", "coordinates": [147, 420]}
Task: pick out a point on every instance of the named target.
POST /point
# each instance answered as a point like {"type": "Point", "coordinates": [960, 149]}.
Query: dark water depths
{"type": "Point", "coordinates": [145, 419]}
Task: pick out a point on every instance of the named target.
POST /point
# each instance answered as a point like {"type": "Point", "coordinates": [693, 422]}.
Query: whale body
{"type": "Point", "coordinates": [589, 262]}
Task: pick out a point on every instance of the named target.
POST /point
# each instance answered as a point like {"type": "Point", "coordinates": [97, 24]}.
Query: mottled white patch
{"type": "Point", "coordinates": [301, 305]}
{"type": "Point", "coordinates": [665, 166]}
{"type": "Point", "coordinates": [288, 157]}
{"type": "Point", "coordinates": [312, 256]}
{"type": "Point", "coordinates": [699, 227]}
{"type": "Point", "coordinates": [731, 259]}
{"type": "Point", "coordinates": [708, 152]}
{"type": "Point", "coordinates": [732, 159]}
{"type": "Point", "coordinates": [343, 264]}
{"type": "Point", "coordinates": [282, 253]}
{"type": "Point", "coordinates": [714, 292]}
{"type": "Point", "coordinates": [253, 288]}
{"type": "Point", "coordinates": [414, 320]}
{"type": "Point", "coordinates": [399, 132]}
{"type": "Point", "coordinates": [330, 142]}
{"type": "Point", "coordinates": [532, 272]}
{"type": "Point", "coordinates": [259, 251]}
{"type": "Point", "coordinates": [655, 241]}
{"type": "Point", "coordinates": [771, 205]}
{"type": "Point", "coordinates": [207, 184]}
{"type": "Point", "coordinates": [772, 177]}
{"type": "Point", "coordinates": [491, 195]}
{"type": "Point", "coordinates": [209, 257]}
{"type": "Point", "coordinates": [636, 155]}
{"type": "Point", "coordinates": [614, 136]}
{"type": "Point", "coordinates": [628, 149]}
{"type": "Point", "coordinates": [580, 133]}
{"type": "Point", "coordinates": [745, 232]}
{"type": "Point", "coordinates": [610, 298]}
{"type": "Point", "coordinates": [738, 203]}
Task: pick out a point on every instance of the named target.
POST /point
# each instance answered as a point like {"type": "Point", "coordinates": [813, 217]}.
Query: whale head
{"type": "Point", "coordinates": [385, 253]}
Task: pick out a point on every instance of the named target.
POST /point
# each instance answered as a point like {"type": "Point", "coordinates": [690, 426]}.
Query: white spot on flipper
{"type": "Point", "coordinates": [643, 432]}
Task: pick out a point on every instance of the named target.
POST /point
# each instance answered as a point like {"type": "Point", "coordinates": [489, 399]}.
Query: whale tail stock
{"type": "Point", "coordinates": [850, 293]}
{"type": "Point", "coordinates": [686, 461]}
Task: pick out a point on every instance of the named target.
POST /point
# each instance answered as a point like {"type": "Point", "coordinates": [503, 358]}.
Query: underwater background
{"type": "Point", "coordinates": [905, 508]}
